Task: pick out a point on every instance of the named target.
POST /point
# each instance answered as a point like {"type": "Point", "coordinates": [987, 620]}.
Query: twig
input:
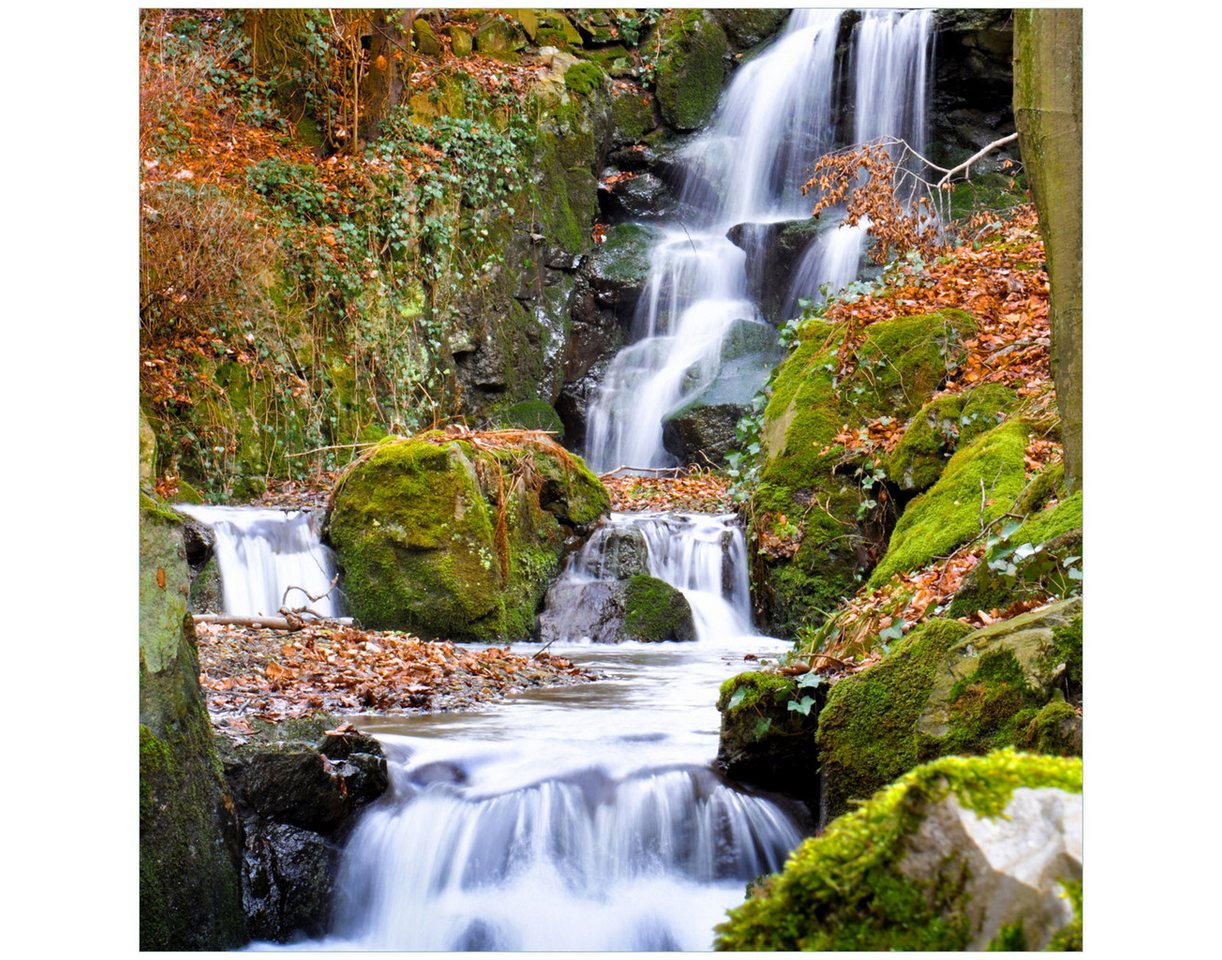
{"type": "Point", "coordinates": [538, 653]}
{"type": "Point", "coordinates": [644, 470]}
{"type": "Point", "coordinates": [974, 157]}
{"type": "Point", "coordinates": [313, 599]}
{"type": "Point", "coordinates": [337, 446]}
{"type": "Point", "coordinates": [269, 623]}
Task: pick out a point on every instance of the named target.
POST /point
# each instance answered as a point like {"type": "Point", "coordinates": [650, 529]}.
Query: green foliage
{"type": "Point", "coordinates": [842, 891]}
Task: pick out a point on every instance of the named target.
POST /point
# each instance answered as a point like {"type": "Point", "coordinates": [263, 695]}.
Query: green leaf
{"type": "Point", "coordinates": [803, 706]}
{"type": "Point", "coordinates": [763, 727]}
{"type": "Point", "coordinates": [811, 679]}
{"type": "Point", "coordinates": [738, 697]}
{"type": "Point", "coordinates": [893, 632]}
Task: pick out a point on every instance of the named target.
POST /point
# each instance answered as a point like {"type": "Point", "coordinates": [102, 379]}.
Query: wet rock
{"type": "Point", "coordinates": [640, 608]}
{"type": "Point", "coordinates": [640, 197]}
{"type": "Point", "coordinates": [618, 268]}
{"type": "Point", "coordinates": [287, 888]}
{"type": "Point", "coordinates": [621, 552]}
{"type": "Point", "coordinates": [690, 68]}
{"type": "Point", "coordinates": [750, 26]}
{"type": "Point", "coordinates": [762, 741]}
{"type": "Point", "coordinates": [655, 611]}
{"type": "Point", "coordinates": [297, 788]}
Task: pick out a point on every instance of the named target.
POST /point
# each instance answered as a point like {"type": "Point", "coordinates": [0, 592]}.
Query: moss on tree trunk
{"type": "Point", "coordinates": [1048, 115]}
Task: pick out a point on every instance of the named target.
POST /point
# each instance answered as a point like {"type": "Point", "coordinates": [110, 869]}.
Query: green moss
{"type": "Point", "coordinates": [1070, 937]}
{"type": "Point", "coordinates": [690, 67]}
{"type": "Point", "coordinates": [585, 78]}
{"type": "Point", "coordinates": [758, 686]}
{"type": "Point", "coordinates": [1048, 483]}
{"type": "Point", "coordinates": [1067, 649]}
{"type": "Point", "coordinates": [441, 539]}
{"type": "Point", "coordinates": [900, 363]}
{"type": "Point", "coordinates": [533, 415]}
{"type": "Point", "coordinates": [654, 611]}
{"type": "Point", "coordinates": [867, 731]}
{"type": "Point", "coordinates": [1049, 524]}
{"type": "Point", "coordinates": [632, 112]}
{"type": "Point", "coordinates": [1055, 729]}
{"type": "Point", "coordinates": [941, 426]}
{"type": "Point", "coordinates": [983, 707]}
{"type": "Point", "coordinates": [842, 891]}
{"type": "Point", "coordinates": [979, 484]}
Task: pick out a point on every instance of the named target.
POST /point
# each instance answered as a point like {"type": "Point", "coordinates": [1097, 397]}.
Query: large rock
{"type": "Point", "coordinates": [458, 538]}
{"type": "Point", "coordinates": [190, 895]}
{"type": "Point", "coordinates": [297, 788]}
{"type": "Point", "coordinates": [641, 196]}
{"type": "Point", "coordinates": [619, 267]}
{"type": "Point", "coordinates": [960, 854]}
{"type": "Point", "coordinates": [749, 26]}
{"type": "Point", "coordinates": [691, 67]}
{"type": "Point", "coordinates": [763, 741]}
{"type": "Point", "coordinates": [703, 429]}
{"type": "Point", "coordinates": [899, 363]}
{"type": "Point", "coordinates": [947, 689]}
{"type": "Point", "coordinates": [640, 608]}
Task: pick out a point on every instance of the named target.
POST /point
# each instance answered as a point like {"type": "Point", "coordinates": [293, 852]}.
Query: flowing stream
{"type": "Point", "coordinates": [779, 115]}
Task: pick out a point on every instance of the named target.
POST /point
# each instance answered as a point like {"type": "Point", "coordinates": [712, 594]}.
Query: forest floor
{"type": "Point", "coordinates": [272, 675]}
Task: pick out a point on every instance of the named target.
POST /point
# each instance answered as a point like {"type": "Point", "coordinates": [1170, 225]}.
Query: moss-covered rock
{"type": "Point", "coordinates": [980, 483]}
{"type": "Point", "coordinates": [450, 538]}
{"type": "Point", "coordinates": [632, 110]}
{"type": "Point", "coordinates": [945, 858]}
{"type": "Point", "coordinates": [585, 79]}
{"type": "Point", "coordinates": [499, 37]}
{"type": "Point", "coordinates": [748, 26]}
{"type": "Point", "coordinates": [424, 38]}
{"type": "Point", "coordinates": [691, 67]}
{"type": "Point", "coordinates": [763, 742]}
{"type": "Point", "coordinates": [867, 731]}
{"type": "Point", "coordinates": [533, 415]}
{"type": "Point", "coordinates": [656, 611]}
{"type": "Point", "coordinates": [462, 41]}
{"type": "Point", "coordinates": [944, 689]}
{"type": "Point", "coordinates": [805, 476]}
{"type": "Point", "coordinates": [940, 428]}
{"type": "Point", "coordinates": [190, 895]}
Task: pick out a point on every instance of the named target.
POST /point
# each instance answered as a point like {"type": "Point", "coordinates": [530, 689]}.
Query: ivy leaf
{"type": "Point", "coordinates": [893, 632]}
{"type": "Point", "coordinates": [803, 706]}
{"type": "Point", "coordinates": [763, 727]}
{"type": "Point", "coordinates": [811, 679]}
{"type": "Point", "coordinates": [736, 698]}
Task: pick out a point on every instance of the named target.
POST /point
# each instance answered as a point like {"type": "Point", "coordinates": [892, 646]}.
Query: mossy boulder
{"type": "Point", "coordinates": [655, 611]}
{"type": "Point", "coordinates": [962, 853]}
{"type": "Point", "coordinates": [940, 427]}
{"type": "Point", "coordinates": [585, 79]}
{"type": "Point", "coordinates": [458, 539]}
{"type": "Point", "coordinates": [633, 112]}
{"type": "Point", "coordinates": [500, 38]}
{"type": "Point", "coordinates": [190, 893]}
{"type": "Point", "coordinates": [462, 41]}
{"type": "Point", "coordinates": [748, 26]}
{"type": "Point", "coordinates": [619, 267]}
{"type": "Point", "coordinates": [806, 477]}
{"type": "Point", "coordinates": [979, 484]}
{"type": "Point", "coordinates": [943, 689]}
{"type": "Point", "coordinates": [424, 38]}
{"type": "Point", "coordinates": [763, 742]}
{"type": "Point", "coordinates": [691, 67]}
{"type": "Point", "coordinates": [533, 415]}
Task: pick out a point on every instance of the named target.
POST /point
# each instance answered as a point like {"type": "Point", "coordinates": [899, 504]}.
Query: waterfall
{"type": "Point", "coordinates": [262, 553]}
{"type": "Point", "coordinates": [583, 861]}
{"type": "Point", "coordinates": [701, 555]}
{"type": "Point", "coordinates": [777, 117]}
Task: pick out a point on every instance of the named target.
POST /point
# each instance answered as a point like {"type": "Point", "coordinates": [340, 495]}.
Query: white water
{"type": "Point", "coordinates": [262, 553]}
{"type": "Point", "coordinates": [777, 117]}
{"type": "Point", "coordinates": [576, 818]}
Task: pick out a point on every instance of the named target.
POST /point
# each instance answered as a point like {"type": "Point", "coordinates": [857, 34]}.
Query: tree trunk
{"type": "Point", "coordinates": [1048, 115]}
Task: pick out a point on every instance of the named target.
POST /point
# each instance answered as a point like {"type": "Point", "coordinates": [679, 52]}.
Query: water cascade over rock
{"type": "Point", "coordinates": [262, 553]}
{"type": "Point", "coordinates": [779, 114]}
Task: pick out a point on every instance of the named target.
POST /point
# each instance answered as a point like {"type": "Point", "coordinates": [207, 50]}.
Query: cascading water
{"type": "Point", "coordinates": [264, 553]}
{"type": "Point", "coordinates": [777, 117]}
{"type": "Point", "coordinates": [577, 818]}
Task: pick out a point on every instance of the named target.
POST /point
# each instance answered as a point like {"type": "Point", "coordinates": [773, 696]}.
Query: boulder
{"type": "Point", "coordinates": [981, 853]}
{"type": "Point", "coordinates": [424, 38]}
{"type": "Point", "coordinates": [641, 196]}
{"type": "Point", "coordinates": [640, 608]}
{"type": "Point", "coordinates": [190, 893]}
{"type": "Point", "coordinates": [633, 110]}
{"type": "Point", "coordinates": [690, 67]}
{"type": "Point", "coordinates": [655, 611]}
{"type": "Point", "coordinates": [947, 689]}
{"type": "Point", "coordinates": [618, 268]}
{"type": "Point", "coordinates": [458, 538]}
{"type": "Point", "coordinates": [898, 364]}
{"type": "Point", "coordinates": [297, 787]}
{"type": "Point", "coordinates": [763, 742]}
{"type": "Point", "coordinates": [462, 41]}
{"type": "Point", "coordinates": [750, 26]}
{"type": "Point", "coordinates": [704, 428]}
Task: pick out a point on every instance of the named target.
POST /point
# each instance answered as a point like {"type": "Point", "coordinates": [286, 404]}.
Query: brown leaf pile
{"type": "Point", "coordinates": [697, 491]}
{"type": "Point", "coordinates": [275, 675]}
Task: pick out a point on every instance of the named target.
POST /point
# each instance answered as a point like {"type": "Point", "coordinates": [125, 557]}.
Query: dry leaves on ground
{"type": "Point", "coordinates": [248, 672]}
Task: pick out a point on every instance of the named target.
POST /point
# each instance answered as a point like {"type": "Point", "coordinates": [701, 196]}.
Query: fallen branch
{"type": "Point", "coordinates": [984, 151]}
{"type": "Point", "coordinates": [267, 623]}
{"type": "Point", "coordinates": [313, 599]}
{"type": "Point", "coordinates": [674, 470]}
